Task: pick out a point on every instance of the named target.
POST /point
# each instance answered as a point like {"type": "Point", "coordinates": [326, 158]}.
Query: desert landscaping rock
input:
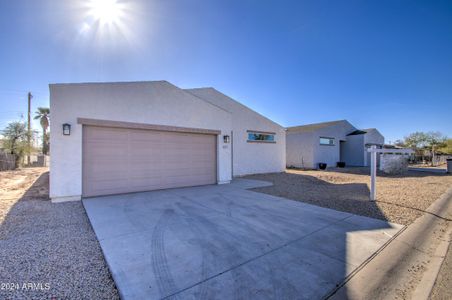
{"type": "Point", "coordinates": [401, 199]}
{"type": "Point", "coordinates": [54, 245]}
{"type": "Point", "coordinates": [47, 244]}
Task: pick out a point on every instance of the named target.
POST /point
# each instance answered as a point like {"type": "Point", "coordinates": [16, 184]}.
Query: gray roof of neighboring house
{"type": "Point", "coordinates": [363, 131]}
{"type": "Point", "coordinates": [313, 127]}
{"type": "Point", "coordinates": [215, 97]}
{"type": "Point", "coordinates": [357, 132]}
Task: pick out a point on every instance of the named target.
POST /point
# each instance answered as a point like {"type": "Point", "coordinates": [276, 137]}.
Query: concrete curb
{"type": "Point", "coordinates": [425, 287]}
{"type": "Point", "coordinates": [406, 267]}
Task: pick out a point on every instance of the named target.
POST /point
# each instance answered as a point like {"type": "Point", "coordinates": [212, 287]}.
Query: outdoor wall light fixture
{"type": "Point", "coordinates": [66, 129]}
{"type": "Point", "coordinates": [226, 139]}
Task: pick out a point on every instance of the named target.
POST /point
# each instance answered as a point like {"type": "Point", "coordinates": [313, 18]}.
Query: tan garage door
{"type": "Point", "coordinates": [118, 160]}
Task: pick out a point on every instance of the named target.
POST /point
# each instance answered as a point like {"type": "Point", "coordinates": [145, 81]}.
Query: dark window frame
{"type": "Point", "coordinates": [329, 138]}
{"type": "Point", "coordinates": [262, 133]}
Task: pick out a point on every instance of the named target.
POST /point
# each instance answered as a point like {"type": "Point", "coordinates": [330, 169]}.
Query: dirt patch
{"type": "Point", "coordinates": [51, 248]}
{"type": "Point", "coordinates": [401, 198]}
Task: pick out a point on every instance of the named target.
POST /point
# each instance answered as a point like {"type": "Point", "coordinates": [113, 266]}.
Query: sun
{"type": "Point", "coordinates": [105, 11]}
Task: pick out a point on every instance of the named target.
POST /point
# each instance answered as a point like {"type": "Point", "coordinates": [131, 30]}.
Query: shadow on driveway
{"type": "Point", "coordinates": [223, 242]}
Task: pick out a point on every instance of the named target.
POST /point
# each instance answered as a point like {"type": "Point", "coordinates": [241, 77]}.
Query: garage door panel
{"type": "Point", "coordinates": [103, 186]}
{"type": "Point", "coordinates": [105, 152]}
{"type": "Point", "coordinates": [183, 151]}
{"type": "Point", "coordinates": [146, 143]}
{"type": "Point", "coordinates": [109, 158]}
{"type": "Point", "coordinates": [143, 153]}
{"type": "Point", "coordinates": [109, 174]}
{"type": "Point", "coordinates": [117, 160]}
{"type": "Point", "coordinates": [104, 165]}
{"type": "Point", "coordinates": [186, 169]}
{"type": "Point", "coordinates": [136, 163]}
{"type": "Point", "coordinates": [176, 159]}
{"type": "Point", "coordinates": [101, 134]}
{"type": "Point", "coordinates": [183, 181]}
{"type": "Point", "coordinates": [143, 173]}
{"type": "Point", "coordinates": [146, 184]}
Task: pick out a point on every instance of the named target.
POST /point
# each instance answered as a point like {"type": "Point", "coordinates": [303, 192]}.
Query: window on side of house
{"type": "Point", "coordinates": [261, 137]}
{"type": "Point", "coordinates": [326, 141]}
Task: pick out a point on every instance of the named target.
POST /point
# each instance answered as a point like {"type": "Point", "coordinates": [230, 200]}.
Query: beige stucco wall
{"type": "Point", "coordinates": [158, 103]}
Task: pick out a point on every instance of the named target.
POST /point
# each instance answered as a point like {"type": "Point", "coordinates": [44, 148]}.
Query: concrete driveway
{"type": "Point", "coordinates": [226, 242]}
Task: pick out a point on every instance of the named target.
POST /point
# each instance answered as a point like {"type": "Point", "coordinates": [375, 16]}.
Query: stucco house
{"type": "Point", "coordinates": [112, 138]}
{"type": "Point", "coordinates": [249, 131]}
{"type": "Point", "coordinates": [354, 149]}
{"type": "Point", "coordinates": [329, 142]}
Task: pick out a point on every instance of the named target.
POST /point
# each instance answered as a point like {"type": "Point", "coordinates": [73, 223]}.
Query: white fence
{"type": "Point", "coordinates": [394, 163]}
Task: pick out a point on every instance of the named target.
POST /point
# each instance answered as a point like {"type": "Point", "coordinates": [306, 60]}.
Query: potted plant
{"type": "Point", "coordinates": [322, 166]}
{"type": "Point", "coordinates": [340, 164]}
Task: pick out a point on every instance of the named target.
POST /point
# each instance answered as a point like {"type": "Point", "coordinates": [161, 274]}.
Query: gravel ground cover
{"type": "Point", "coordinates": [47, 251]}
{"type": "Point", "coordinates": [400, 199]}
{"type": "Point", "coordinates": [428, 166]}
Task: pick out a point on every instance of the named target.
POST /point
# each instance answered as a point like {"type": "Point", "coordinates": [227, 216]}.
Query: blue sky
{"type": "Point", "coordinates": [384, 64]}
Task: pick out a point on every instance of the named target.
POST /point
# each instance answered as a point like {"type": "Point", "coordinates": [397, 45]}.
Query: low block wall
{"type": "Point", "coordinates": [394, 163]}
{"type": "Point", "coordinates": [7, 161]}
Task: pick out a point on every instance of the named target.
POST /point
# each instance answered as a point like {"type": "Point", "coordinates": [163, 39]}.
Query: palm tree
{"type": "Point", "coordinates": [43, 114]}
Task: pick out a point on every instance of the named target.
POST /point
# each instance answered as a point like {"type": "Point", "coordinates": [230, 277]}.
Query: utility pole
{"type": "Point", "coordinates": [29, 127]}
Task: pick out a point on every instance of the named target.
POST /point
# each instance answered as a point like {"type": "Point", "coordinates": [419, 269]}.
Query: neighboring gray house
{"type": "Point", "coordinates": [354, 149]}
{"type": "Point", "coordinates": [329, 142]}
{"type": "Point", "coordinates": [139, 136]}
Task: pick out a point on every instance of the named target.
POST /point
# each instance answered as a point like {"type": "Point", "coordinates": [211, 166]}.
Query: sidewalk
{"type": "Point", "coordinates": [407, 267]}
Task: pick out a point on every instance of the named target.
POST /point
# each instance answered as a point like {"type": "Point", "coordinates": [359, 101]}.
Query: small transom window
{"type": "Point", "coordinates": [327, 141]}
{"type": "Point", "coordinates": [260, 137]}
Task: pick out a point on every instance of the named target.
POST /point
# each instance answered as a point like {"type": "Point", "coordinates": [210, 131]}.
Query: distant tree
{"type": "Point", "coordinates": [15, 140]}
{"type": "Point", "coordinates": [426, 141]}
{"type": "Point", "coordinates": [43, 115]}
{"type": "Point", "coordinates": [447, 148]}
{"type": "Point", "coordinates": [399, 143]}
{"type": "Point", "coordinates": [435, 140]}
{"type": "Point", "coordinates": [416, 140]}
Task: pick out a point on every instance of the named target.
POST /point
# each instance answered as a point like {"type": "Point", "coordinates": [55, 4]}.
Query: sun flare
{"type": "Point", "coordinates": [105, 11]}
{"type": "Point", "coordinates": [108, 24]}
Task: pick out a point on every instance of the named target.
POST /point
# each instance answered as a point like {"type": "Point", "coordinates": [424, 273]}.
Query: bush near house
{"type": "Point", "coordinates": [15, 141]}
